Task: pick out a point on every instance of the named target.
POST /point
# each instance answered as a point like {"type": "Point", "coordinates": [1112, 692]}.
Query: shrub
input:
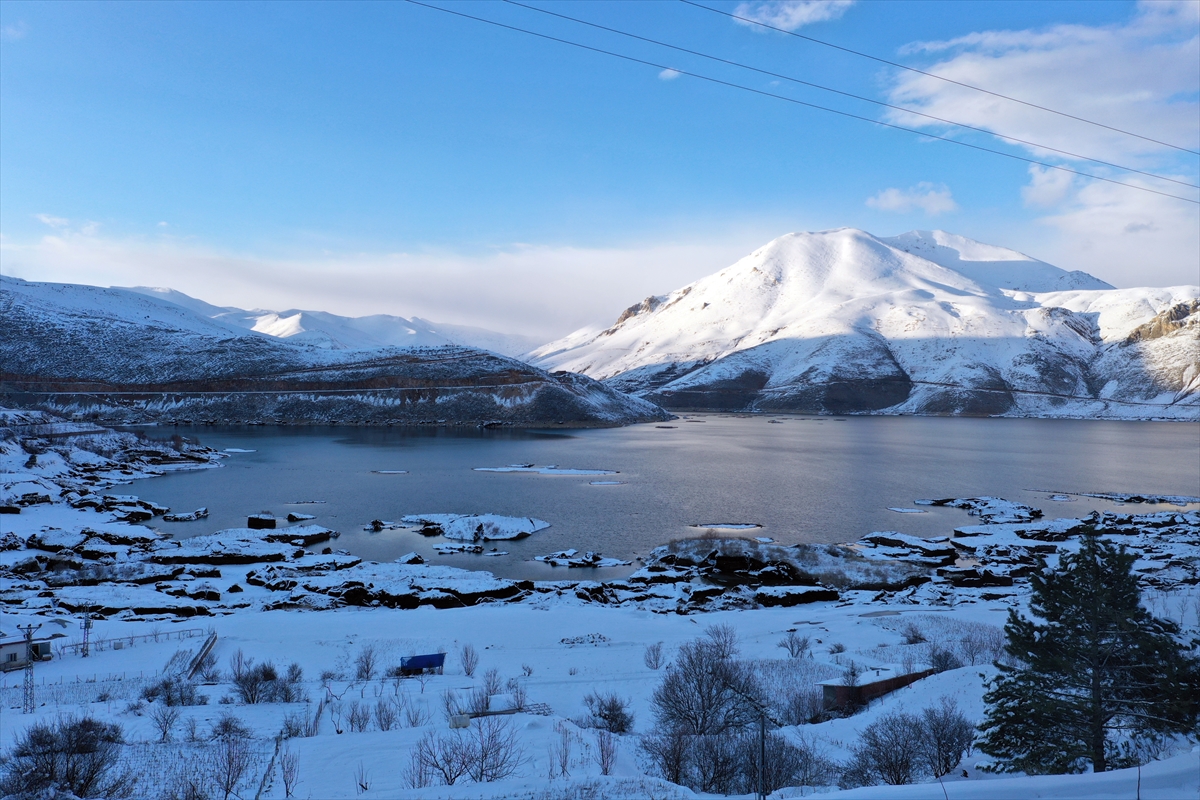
{"type": "Point", "coordinates": [947, 734]}
{"type": "Point", "coordinates": [262, 683]}
{"type": "Point", "coordinates": [608, 711]}
{"type": "Point", "coordinates": [889, 751]}
{"type": "Point", "coordinates": [653, 657]}
{"type": "Point", "coordinates": [365, 663]}
{"type": "Point", "coordinates": [469, 657]}
{"type": "Point", "coordinates": [942, 660]}
{"type": "Point", "coordinates": [79, 755]}
{"type": "Point", "coordinates": [174, 690]}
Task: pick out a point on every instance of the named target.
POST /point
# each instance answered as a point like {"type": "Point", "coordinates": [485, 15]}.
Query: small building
{"type": "Point", "coordinates": [872, 682]}
{"type": "Point", "coordinates": [13, 651]}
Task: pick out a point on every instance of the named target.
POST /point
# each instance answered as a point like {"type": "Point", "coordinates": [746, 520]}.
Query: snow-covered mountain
{"type": "Point", "coordinates": [926, 322]}
{"type": "Point", "coordinates": [127, 355]}
{"type": "Point", "coordinates": [335, 332]}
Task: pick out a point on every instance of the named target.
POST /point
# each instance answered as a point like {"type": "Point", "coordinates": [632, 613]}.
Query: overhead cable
{"type": "Point", "coordinates": [794, 101]}
{"type": "Point", "coordinates": [750, 21]}
{"type": "Point", "coordinates": [849, 94]}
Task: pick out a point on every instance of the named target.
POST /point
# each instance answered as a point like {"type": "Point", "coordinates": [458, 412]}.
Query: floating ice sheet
{"type": "Point", "coordinates": [547, 470]}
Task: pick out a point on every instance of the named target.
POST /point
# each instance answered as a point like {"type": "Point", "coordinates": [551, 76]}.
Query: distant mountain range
{"type": "Point", "coordinates": [140, 355]}
{"type": "Point", "coordinates": [923, 323]}
{"type": "Point", "coordinates": [831, 322]}
{"type": "Point", "coordinates": [334, 332]}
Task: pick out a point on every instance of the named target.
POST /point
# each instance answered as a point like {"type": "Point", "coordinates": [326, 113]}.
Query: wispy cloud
{"type": "Point", "coordinates": [14, 31]}
{"type": "Point", "coordinates": [933, 200]}
{"type": "Point", "coordinates": [53, 221]}
{"type": "Point", "coordinates": [1128, 238]}
{"type": "Point", "coordinates": [791, 14]}
{"type": "Point", "coordinates": [1046, 187]}
{"type": "Point", "coordinates": [668, 75]}
{"type": "Point", "coordinates": [538, 290]}
{"type": "Point", "coordinates": [1139, 76]}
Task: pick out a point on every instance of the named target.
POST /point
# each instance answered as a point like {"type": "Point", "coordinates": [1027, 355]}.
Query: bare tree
{"type": "Point", "coordinates": [470, 659]}
{"type": "Point", "coordinates": [653, 657]}
{"type": "Point", "coordinates": [889, 751]}
{"type": "Point", "coordinates": [606, 751]}
{"type": "Point", "coordinates": [704, 693]}
{"type": "Point", "coordinates": [359, 718]}
{"type": "Point", "coordinates": [491, 681]}
{"type": "Point", "coordinates": [947, 735]}
{"type": "Point", "coordinates": [479, 701]}
{"type": "Point", "coordinates": [560, 750]}
{"type": "Point", "coordinates": [231, 761]}
{"type": "Point", "coordinates": [164, 718]}
{"type": "Point", "coordinates": [724, 639]}
{"type": "Point", "coordinates": [445, 757]}
{"type": "Point", "coordinates": [795, 644]}
{"type": "Point", "coordinates": [415, 716]}
{"type": "Point", "coordinates": [365, 663]}
{"type": "Point", "coordinates": [289, 770]}
{"type": "Point", "coordinates": [518, 693]}
{"type": "Point", "coordinates": [451, 706]}
{"type": "Point", "coordinates": [496, 750]}
{"type": "Point", "coordinates": [387, 712]}
{"type": "Point", "coordinates": [608, 711]}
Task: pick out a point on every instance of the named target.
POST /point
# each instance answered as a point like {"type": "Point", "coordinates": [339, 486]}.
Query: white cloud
{"type": "Point", "coordinates": [1139, 76]}
{"type": "Point", "coordinates": [668, 75]}
{"type": "Point", "coordinates": [53, 221]}
{"type": "Point", "coordinates": [933, 200]}
{"type": "Point", "coordinates": [791, 14]}
{"type": "Point", "coordinates": [543, 291]}
{"type": "Point", "coordinates": [1127, 238]}
{"type": "Point", "coordinates": [1047, 187]}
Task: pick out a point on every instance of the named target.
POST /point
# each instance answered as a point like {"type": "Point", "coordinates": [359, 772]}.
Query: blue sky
{"type": "Point", "coordinates": [384, 157]}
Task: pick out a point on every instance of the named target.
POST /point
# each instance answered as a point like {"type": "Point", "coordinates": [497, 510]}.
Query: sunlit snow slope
{"type": "Point", "coordinates": [927, 322]}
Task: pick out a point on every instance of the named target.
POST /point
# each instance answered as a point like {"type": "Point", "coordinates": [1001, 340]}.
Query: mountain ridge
{"type": "Point", "coordinates": [842, 321]}
{"type": "Point", "coordinates": [113, 354]}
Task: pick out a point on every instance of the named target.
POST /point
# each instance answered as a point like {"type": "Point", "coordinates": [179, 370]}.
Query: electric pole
{"type": "Point", "coordinates": [87, 629]}
{"type": "Point", "coordinates": [28, 700]}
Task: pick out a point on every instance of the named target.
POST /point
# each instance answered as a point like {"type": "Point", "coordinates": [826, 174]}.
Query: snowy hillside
{"type": "Point", "coordinates": [119, 354]}
{"type": "Point", "coordinates": [927, 322]}
{"type": "Point", "coordinates": [335, 332]}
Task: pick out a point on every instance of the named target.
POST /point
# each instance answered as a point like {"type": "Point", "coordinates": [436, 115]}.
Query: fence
{"type": "Point", "coordinates": [129, 641]}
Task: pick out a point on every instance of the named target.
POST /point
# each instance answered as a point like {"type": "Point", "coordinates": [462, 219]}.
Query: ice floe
{"type": "Point", "coordinates": [389, 471]}
{"type": "Point", "coordinates": [475, 527]}
{"type": "Point", "coordinates": [572, 558]}
{"type": "Point", "coordinates": [907, 510]}
{"type": "Point", "coordinates": [238, 450]}
{"type": "Point", "coordinates": [552, 469]}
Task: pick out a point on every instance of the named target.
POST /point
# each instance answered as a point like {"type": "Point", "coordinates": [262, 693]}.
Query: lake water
{"type": "Point", "coordinates": [804, 479]}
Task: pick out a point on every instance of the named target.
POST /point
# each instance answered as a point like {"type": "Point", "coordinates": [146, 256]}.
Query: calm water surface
{"type": "Point", "coordinates": [804, 479]}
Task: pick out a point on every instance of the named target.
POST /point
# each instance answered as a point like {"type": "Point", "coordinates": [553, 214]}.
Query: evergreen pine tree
{"type": "Point", "coordinates": [1092, 668]}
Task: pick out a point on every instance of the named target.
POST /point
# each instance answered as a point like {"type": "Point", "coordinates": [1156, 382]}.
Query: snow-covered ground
{"type": "Point", "coordinates": [286, 596]}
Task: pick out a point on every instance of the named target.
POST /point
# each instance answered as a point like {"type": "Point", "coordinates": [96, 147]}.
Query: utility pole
{"type": "Point", "coordinates": [763, 717]}
{"type": "Point", "coordinates": [28, 700]}
{"type": "Point", "coordinates": [87, 629]}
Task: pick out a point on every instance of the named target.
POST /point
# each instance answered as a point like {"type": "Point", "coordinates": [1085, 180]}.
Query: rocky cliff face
{"type": "Point", "coordinates": [923, 323]}
{"type": "Point", "coordinates": [108, 354]}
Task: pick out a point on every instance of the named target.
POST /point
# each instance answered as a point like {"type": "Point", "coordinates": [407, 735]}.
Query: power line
{"type": "Point", "coordinates": [848, 94]}
{"type": "Point", "coordinates": [799, 102]}
{"type": "Point", "coordinates": [938, 77]}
